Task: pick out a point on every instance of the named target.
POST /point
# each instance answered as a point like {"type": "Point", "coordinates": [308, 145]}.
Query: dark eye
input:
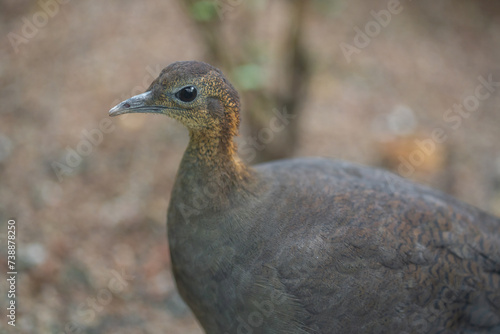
{"type": "Point", "coordinates": [187, 94]}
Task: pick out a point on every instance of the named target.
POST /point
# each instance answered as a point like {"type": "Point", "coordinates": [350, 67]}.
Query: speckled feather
{"type": "Point", "coordinates": [315, 245]}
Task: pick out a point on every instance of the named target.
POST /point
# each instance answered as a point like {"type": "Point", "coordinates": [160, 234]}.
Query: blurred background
{"type": "Point", "coordinates": [398, 85]}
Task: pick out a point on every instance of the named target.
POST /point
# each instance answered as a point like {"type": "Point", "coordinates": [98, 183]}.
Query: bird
{"type": "Point", "coordinates": [313, 245]}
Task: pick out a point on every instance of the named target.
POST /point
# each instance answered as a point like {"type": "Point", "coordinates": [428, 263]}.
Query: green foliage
{"type": "Point", "coordinates": [249, 76]}
{"type": "Point", "coordinates": [204, 11]}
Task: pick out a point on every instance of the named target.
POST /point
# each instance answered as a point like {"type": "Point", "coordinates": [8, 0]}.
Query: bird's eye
{"type": "Point", "coordinates": [187, 94]}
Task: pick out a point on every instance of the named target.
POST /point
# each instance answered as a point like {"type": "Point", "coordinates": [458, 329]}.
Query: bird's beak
{"type": "Point", "coordinates": [136, 104]}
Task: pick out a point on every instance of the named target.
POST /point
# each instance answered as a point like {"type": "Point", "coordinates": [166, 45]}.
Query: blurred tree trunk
{"type": "Point", "coordinates": [261, 102]}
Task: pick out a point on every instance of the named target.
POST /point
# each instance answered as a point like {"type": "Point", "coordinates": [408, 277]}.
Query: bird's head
{"type": "Point", "coordinates": [194, 93]}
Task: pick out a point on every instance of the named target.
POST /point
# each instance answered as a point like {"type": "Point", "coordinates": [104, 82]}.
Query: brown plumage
{"type": "Point", "coordinates": [313, 245]}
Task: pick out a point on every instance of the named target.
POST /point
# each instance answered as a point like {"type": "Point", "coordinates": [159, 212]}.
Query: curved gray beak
{"type": "Point", "coordinates": [136, 104]}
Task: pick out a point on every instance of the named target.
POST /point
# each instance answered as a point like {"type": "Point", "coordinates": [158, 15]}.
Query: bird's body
{"type": "Point", "coordinates": [314, 245]}
{"type": "Point", "coordinates": [331, 247]}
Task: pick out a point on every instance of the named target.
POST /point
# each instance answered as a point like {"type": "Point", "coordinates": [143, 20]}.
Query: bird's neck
{"type": "Point", "coordinates": [209, 149]}
{"type": "Point", "coordinates": [211, 165]}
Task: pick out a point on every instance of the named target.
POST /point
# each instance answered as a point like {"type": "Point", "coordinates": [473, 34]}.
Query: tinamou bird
{"type": "Point", "coordinates": [313, 245]}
